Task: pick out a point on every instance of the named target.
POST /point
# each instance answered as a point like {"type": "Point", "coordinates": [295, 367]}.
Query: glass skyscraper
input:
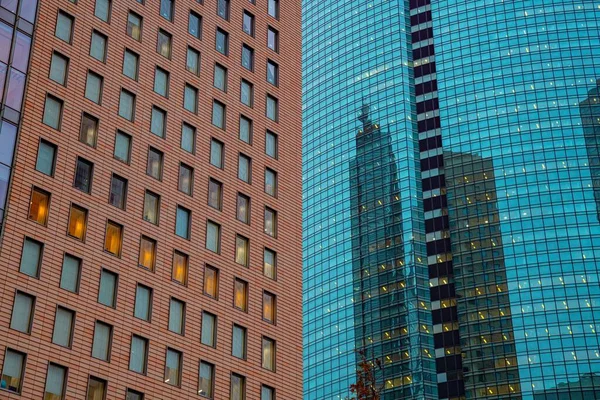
{"type": "Point", "coordinates": [451, 163]}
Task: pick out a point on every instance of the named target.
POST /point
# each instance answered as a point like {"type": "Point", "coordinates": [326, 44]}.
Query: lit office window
{"type": "Point", "coordinates": [134, 26]}
{"type": "Point", "coordinates": [113, 239]}
{"type": "Point", "coordinates": [269, 307]}
{"type": "Point", "coordinates": [240, 295]}
{"type": "Point", "coordinates": [211, 281]}
{"type": "Point", "coordinates": [270, 222]}
{"type": "Point", "coordinates": [96, 389]}
{"type": "Point", "coordinates": [38, 206]}
{"type": "Point", "coordinates": [163, 46]}
{"type": "Point", "coordinates": [77, 222]}
{"type": "Point", "coordinates": [179, 272]}
{"type": "Point", "coordinates": [88, 131]}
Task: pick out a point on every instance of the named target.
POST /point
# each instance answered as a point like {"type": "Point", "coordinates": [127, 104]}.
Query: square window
{"type": "Point", "coordinates": [218, 115]}
{"type": "Point", "coordinates": [151, 207]}
{"type": "Point", "coordinates": [193, 61]}
{"type": "Point", "coordinates": [134, 394]}
{"type": "Point", "coordinates": [268, 354]}
{"type": "Point", "coordinates": [71, 273]}
{"type": "Point", "coordinates": [155, 163]}
{"type": "Point", "coordinates": [127, 105]}
{"type": "Point", "coordinates": [182, 222]}
{"type": "Point", "coordinates": [173, 367]}
{"type": "Point", "coordinates": [223, 9]}
{"type": "Point", "coordinates": [222, 45]}
{"type": "Point", "coordinates": [216, 153]}
{"type": "Point", "coordinates": [158, 122]}
{"type": "Point", "coordinates": [107, 294]}
{"type": "Point", "coordinates": [190, 99]}
{"type": "Point", "coordinates": [243, 208]}
{"type": "Point", "coordinates": [38, 206]}
{"type": "Point", "coordinates": [102, 341]}
{"type": "Point", "coordinates": [138, 355]}
{"type": "Point", "coordinates": [272, 108]}
{"type": "Point", "coordinates": [134, 26]}
{"type": "Point", "coordinates": [143, 302]}
{"type": "Point", "coordinates": [31, 257]}
{"type": "Point", "coordinates": [270, 182]}
{"type": "Point", "coordinates": [209, 329]}
{"type": "Point", "coordinates": [96, 388]}
{"type": "Point", "coordinates": [77, 222]}
{"type": "Point", "coordinates": [131, 63]}
{"type": "Point", "coordinates": [118, 191]}
{"type": "Point", "coordinates": [267, 393]}
{"type": "Point", "coordinates": [59, 67]}
{"type": "Point", "coordinates": [211, 281]}
{"type": "Point", "coordinates": [122, 147]}
{"type": "Point", "coordinates": [195, 25]}
{"type": "Point", "coordinates": [188, 138]}
{"type": "Point", "coordinates": [102, 9]}
{"type": "Point", "coordinates": [272, 73]}
{"type": "Point", "coordinates": [164, 43]}
{"type": "Point", "coordinates": [213, 237]}
{"type": "Point", "coordinates": [215, 194]}
{"type": "Point", "coordinates": [220, 77]}
{"type": "Point", "coordinates": [63, 327]}
{"type": "Point", "coordinates": [186, 179]}
{"type": "Point", "coordinates": [179, 272]}
{"type": "Point", "coordinates": [270, 222]}
{"type": "Point", "coordinates": [271, 144]}
{"type": "Point", "coordinates": [147, 257]}
{"type": "Point", "coordinates": [13, 369]}
{"type": "Point", "coordinates": [238, 345]}
{"type": "Point", "coordinates": [161, 82]}
{"type": "Point", "coordinates": [269, 307]}
{"type": "Point", "coordinates": [176, 316]}
{"type": "Point", "coordinates": [166, 9]}
{"type": "Point", "coordinates": [22, 312]}
{"type": "Point", "coordinates": [240, 295]}
{"type": "Point", "coordinates": [238, 387]}
{"type": "Point", "coordinates": [242, 249]}
{"type": "Point", "coordinates": [46, 158]}
{"type": "Point", "coordinates": [246, 93]}
{"type": "Point", "coordinates": [274, 8]}
{"type": "Point", "coordinates": [273, 39]}
{"type": "Point", "coordinates": [113, 238]}
{"type": "Point", "coordinates": [244, 168]}
{"type": "Point", "coordinates": [206, 380]}
{"type": "Point", "coordinates": [93, 87]}
{"type": "Point", "coordinates": [83, 175]}
{"type": "Point", "coordinates": [248, 23]}
{"type": "Point", "coordinates": [53, 112]}
{"type": "Point", "coordinates": [270, 264]}
{"type": "Point", "coordinates": [247, 58]}
{"type": "Point", "coordinates": [88, 132]}
{"type": "Point", "coordinates": [98, 46]}
{"type": "Point", "coordinates": [245, 133]}
{"type": "Point", "coordinates": [56, 380]}
{"type": "Point", "coordinates": [64, 27]}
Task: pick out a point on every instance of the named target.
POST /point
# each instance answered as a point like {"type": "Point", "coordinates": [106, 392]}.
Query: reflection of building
{"type": "Point", "coordinates": [484, 312]}
{"type": "Point", "coordinates": [590, 118]}
{"type": "Point", "coordinates": [587, 387]}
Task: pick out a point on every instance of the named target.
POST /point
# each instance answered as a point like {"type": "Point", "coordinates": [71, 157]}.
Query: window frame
{"type": "Point", "coordinates": [246, 293]}
{"type": "Point", "coordinates": [73, 319]}
{"type": "Point", "coordinates": [67, 64]}
{"type": "Point", "coordinates": [179, 367]}
{"type": "Point", "coordinates": [129, 148]}
{"type": "Point", "coordinates": [110, 340]}
{"type": "Point", "coordinates": [155, 245]}
{"type": "Point", "coordinates": [48, 197]}
{"type": "Point", "coordinates": [186, 259]}
{"type": "Point", "coordinates": [217, 279]}
{"type": "Point", "coordinates": [33, 299]}
{"type": "Point", "coordinates": [65, 379]}
{"type": "Point", "coordinates": [115, 289]}
{"type": "Point", "coordinates": [72, 30]}
{"type": "Point", "coordinates": [54, 156]}
{"type": "Point", "coordinates": [141, 25]}
{"type": "Point", "coordinates": [23, 368]}
{"type": "Point", "coordinates": [125, 182]}
{"type": "Point", "coordinates": [150, 301]}
{"type": "Point", "coordinates": [96, 32]}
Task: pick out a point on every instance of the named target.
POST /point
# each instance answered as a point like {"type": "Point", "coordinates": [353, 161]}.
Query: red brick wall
{"type": "Point", "coordinates": [288, 377]}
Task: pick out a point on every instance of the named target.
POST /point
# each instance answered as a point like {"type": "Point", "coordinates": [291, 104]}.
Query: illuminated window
{"type": "Point", "coordinates": [238, 342]}
{"type": "Point", "coordinates": [22, 312]}
{"type": "Point", "coordinates": [63, 327]}
{"type": "Point", "coordinates": [211, 281]}
{"type": "Point", "coordinates": [147, 257]}
{"type": "Point", "coordinates": [38, 206]}
{"type": "Point", "coordinates": [206, 380]}
{"type": "Point", "coordinates": [143, 302]}
{"type": "Point", "coordinates": [107, 294]}
{"type": "Point", "coordinates": [241, 250]}
{"type": "Point", "coordinates": [134, 26]}
{"type": "Point", "coordinates": [238, 387]}
{"type": "Point", "coordinates": [96, 388]}
{"type": "Point", "coordinates": [113, 238]}
{"type": "Point", "coordinates": [151, 207]}
{"type": "Point", "coordinates": [240, 295]}
{"type": "Point", "coordinates": [180, 268]}
{"type": "Point", "coordinates": [215, 194]}
{"type": "Point", "coordinates": [138, 354]}
{"type": "Point", "coordinates": [269, 307]}
{"type": "Point", "coordinates": [270, 182]}
{"type": "Point", "coordinates": [77, 222]}
{"type": "Point", "coordinates": [173, 367]}
{"type": "Point", "coordinates": [176, 316]}
{"type": "Point", "coordinates": [268, 354]}
{"type": "Point", "coordinates": [270, 222]}
{"type": "Point", "coordinates": [186, 179]}
{"type": "Point", "coordinates": [102, 341]}
{"type": "Point", "coordinates": [209, 329]}
{"type": "Point", "coordinates": [164, 43]}
{"type": "Point", "coordinates": [88, 132]}
{"type": "Point", "coordinates": [270, 264]}
{"type": "Point", "coordinates": [12, 370]}
{"type": "Point", "coordinates": [56, 379]}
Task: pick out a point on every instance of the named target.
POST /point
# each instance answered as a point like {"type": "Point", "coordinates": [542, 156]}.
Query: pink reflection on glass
{"type": "Point", "coordinates": [16, 86]}
{"type": "Point", "coordinates": [28, 8]}
{"type": "Point", "coordinates": [21, 52]}
{"type": "Point", "coordinates": [5, 39]}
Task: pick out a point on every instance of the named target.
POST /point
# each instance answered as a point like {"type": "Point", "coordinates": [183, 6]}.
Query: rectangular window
{"type": "Point", "coordinates": [71, 273]}
{"type": "Point", "coordinates": [64, 27]}
{"type": "Point", "coordinates": [267, 393]}
{"type": "Point", "coordinates": [59, 67]}
{"type": "Point", "coordinates": [134, 395]}
{"type": "Point", "coordinates": [216, 153]}
{"type": "Point", "coordinates": [38, 206]}
{"type": "Point", "coordinates": [211, 281]}
{"type": "Point", "coordinates": [272, 108]}
{"type": "Point", "coordinates": [102, 9]}
{"type": "Point", "coordinates": [213, 237]}
{"type": "Point", "coordinates": [240, 295]}
{"type": "Point", "coordinates": [180, 268]}
{"type": "Point", "coordinates": [93, 87]}
{"type": "Point", "coordinates": [177, 316]}
{"type": "Point", "coordinates": [247, 58]}
{"type": "Point", "coordinates": [190, 99]}
{"type": "Point", "coordinates": [246, 93]}
{"type": "Point", "coordinates": [243, 208]}
{"type": "Point", "coordinates": [218, 115]}
{"type": "Point", "coordinates": [238, 345]}
{"type": "Point", "coordinates": [188, 138]}
{"type": "Point", "coordinates": [161, 81]}
{"type": "Point", "coordinates": [98, 46]}
{"type": "Point", "coordinates": [271, 144]}
{"type": "Point", "coordinates": [248, 23]}
{"type": "Point", "coordinates": [102, 341]}
{"type": "Point", "coordinates": [220, 77]}
{"type": "Point", "coordinates": [272, 73]}
{"type": "Point", "coordinates": [138, 354]}
{"type": "Point", "coordinates": [155, 163]}
{"type": "Point", "coordinates": [270, 182]}
{"type": "Point", "coordinates": [118, 192]}
{"type": "Point", "coordinates": [107, 293]}
{"type": "Point", "coordinates": [163, 46]}
{"type": "Point", "coordinates": [206, 380]}
{"type": "Point", "coordinates": [195, 25]}
{"type": "Point", "coordinates": [186, 179]}
{"type": "Point", "coordinates": [63, 327]}
{"type": "Point", "coordinates": [22, 312]}
{"type": "Point", "coordinates": [158, 122]}
{"type": "Point", "coordinates": [268, 354]}
{"type": "Point", "coordinates": [173, 367]}
{"type": "Point", "coordinates": [31, 258]}
{"type": "Point", "coordinates": [143, 302]}
{"type": "Point", "coordinates": [88, 132]}
{"type": "Point", "coordinates": [46, 158]}
{"type": "Point", "coordinates": [56, 380]}
{"type": "Point", "coordinates": [12, 370]}
{"type": "Point", "coordinates": [223, 9]}
{"type": "Point", "coordinates": [274, 8]}
{"type": "Point", "coordinates": [77, 222]}
{"type": "Point", "coordinates": [215, 194]}
{"type": "Point", "coordinates": [209, 329]}
{"type": "Point", "coordinates": [270, 222]}
{"type": "Point", "coordinates": [182, 222]}
{"type": "Point", "coordinates": [83, 175]}
{"type": "Point", "coordinates": [127, 105]}
{"type": "Point", "coordinates": [151, 207]}
{"type": "Point", "coordinates": [245, 133]}
{"type": "Point", "coordinates": [238, 387]}
{"type": "Point", "coordinates": [241, 250]}
{"type": "Point", "coordinates": [166, 9]}
{"type": "Point", "coordinates": [273, 39]}
{"type": "Point", "coordinates": [113, 238]}
{"type": "Point", "coordinates": [134, 26]}
{"type": "Point", "coordinates": [270, 264]}
{"type": "Point", "coordinates": [96, 389]}
{"type": "Point", "coordinates": [122, 147]}
{"type": "Point", "coordinates": [244, 168]}
{"type": "Point", "coordinates": [193, 61]}
{"type": "Point", "coordinates": [53, 112]}
{"type": "Point", "coordinates": [269, 307]}
{"type": "Point", "coordinates": [222, 44]}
